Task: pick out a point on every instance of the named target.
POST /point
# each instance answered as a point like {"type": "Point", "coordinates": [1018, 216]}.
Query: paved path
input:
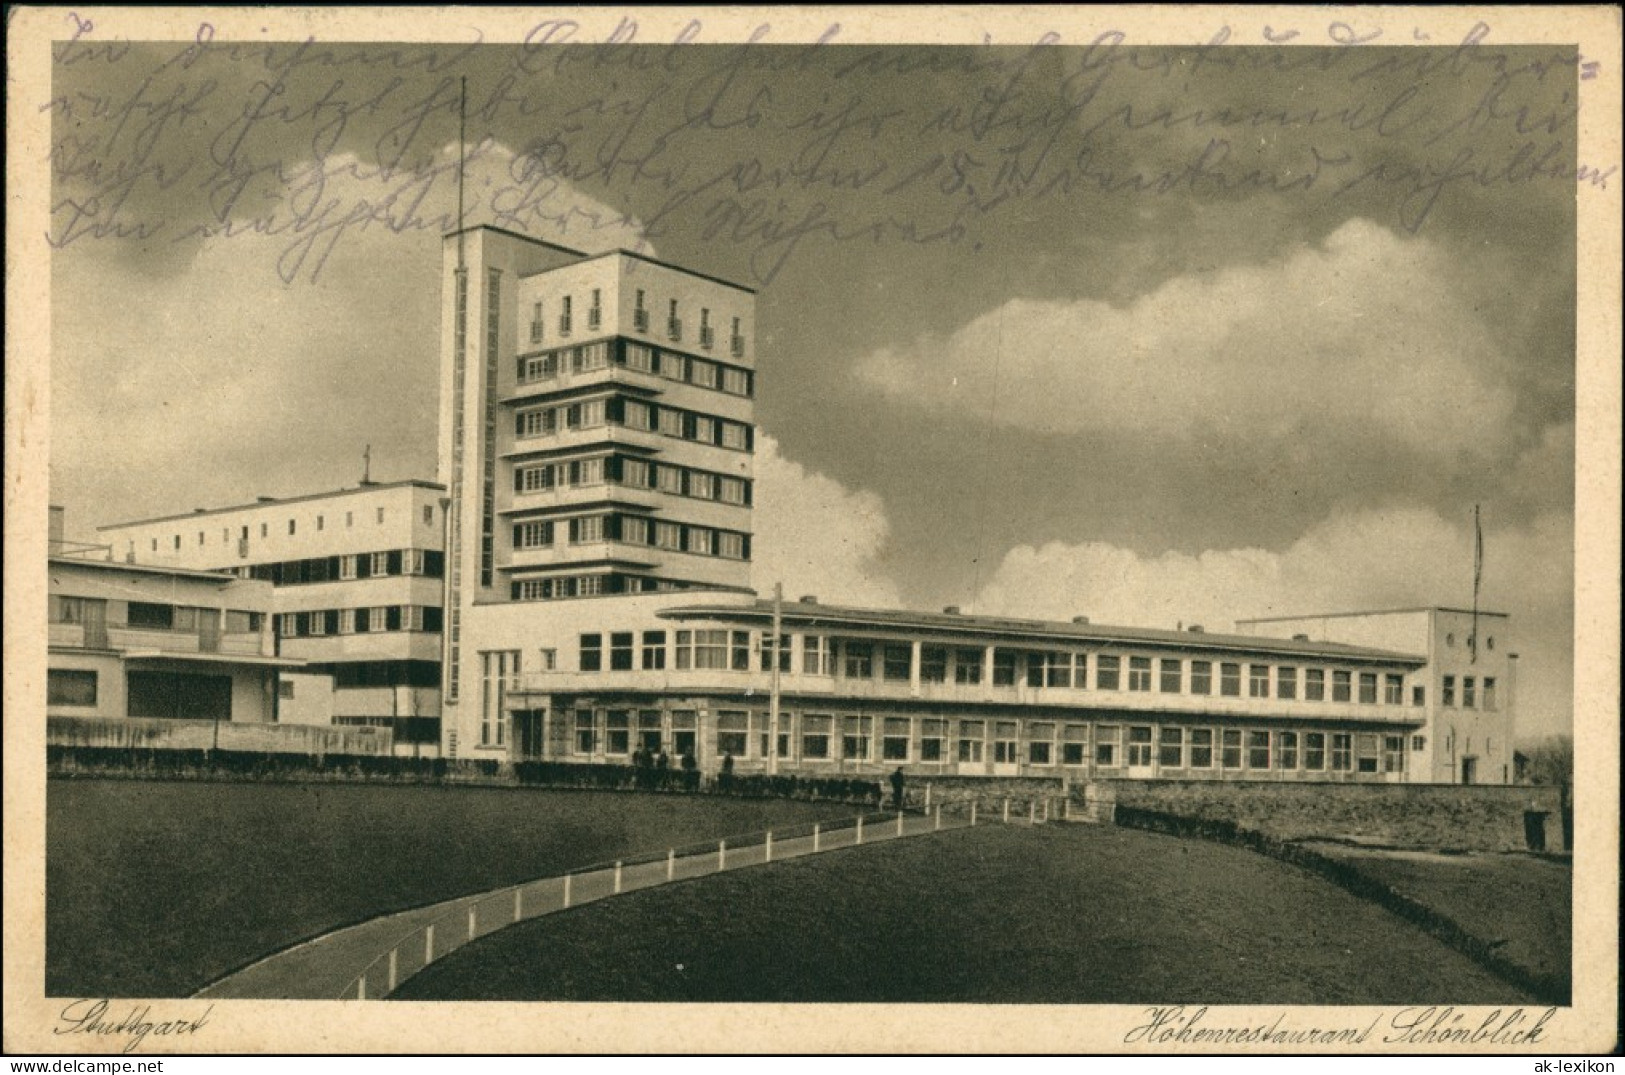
{"type": "Point", "coordinates": [328, 967]}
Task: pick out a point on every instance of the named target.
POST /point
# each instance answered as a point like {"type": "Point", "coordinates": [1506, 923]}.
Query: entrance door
{"type": "Point", "coordinates": [1469, 770]}
{"type": "Point", "coordinates": [1139, 752]}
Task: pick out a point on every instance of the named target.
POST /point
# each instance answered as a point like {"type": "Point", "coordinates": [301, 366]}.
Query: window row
{"type": "Point", "coordinates": [562, 587]}
{"type": "Point", "coordinates": [747, 734]}
{"type": "Point", "coordinates": [153, 616]}
{"type": "Point", "coordinates": [359, 621]}
{"type": "Point", "coordinates": [293, 528]}
{"type": "Point", "coordinates": [430, 563]}
{"type": "Point", "coordinates": [683, 369]}
{"type": "Point", "coordinates": [1470, 698]}
{"type": "Point", "coordinates": [633, 530]}
{"type": "Point", "coordinates": [633, 414]}
{"type": "Point", "coordinates": [633, 473]}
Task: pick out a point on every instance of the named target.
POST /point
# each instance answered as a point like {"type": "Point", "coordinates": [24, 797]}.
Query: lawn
{"type": "Point", "coordinates": [155, 889]}
{"type": "Point", "coordinates": [1518, 902]}
{"type": "Point", "coordinates": [1057, 914]}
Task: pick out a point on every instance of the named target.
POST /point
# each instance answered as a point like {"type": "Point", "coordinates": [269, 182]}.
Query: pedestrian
{"type": "Point", "coordinates": [897, 788]}
{"type": "Point", "coordinates": [691, 771]}
{"type": "Point", "coordinates": [727, 779]}
{"type": "Point", "coordinates": [662, 768]}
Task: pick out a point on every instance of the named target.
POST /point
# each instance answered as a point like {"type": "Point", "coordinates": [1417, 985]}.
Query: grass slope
{"type": "Point", "coordinates": [1073, 914]}
{"type": "Point", "coordinates": [1521, 901]}
{"type": "Point", "coordinates": [155, 889]}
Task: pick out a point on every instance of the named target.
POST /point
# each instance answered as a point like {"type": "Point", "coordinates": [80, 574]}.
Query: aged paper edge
{"type": "Point", "coordinates": [253, 1027]}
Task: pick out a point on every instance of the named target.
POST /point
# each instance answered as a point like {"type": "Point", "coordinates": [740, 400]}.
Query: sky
{"type": "Point", "coordinates": [1157, 335]}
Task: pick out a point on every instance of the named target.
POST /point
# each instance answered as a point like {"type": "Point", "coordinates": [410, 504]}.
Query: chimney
{"type": "Point", "coordinates": [809, 599]}
{"type": "Point", "coordinates": [1081, 621]}
{"type": "Point", "coordinates": [58, 526]}
{"type": "Point", "coordinates": [1300, 638]}
{"type": "Point", "coordinates": [1195, 628]}
{"type": "Point", "coordinates": [266, 499]}
{"type": "Point", "coordinates": [950, 610]}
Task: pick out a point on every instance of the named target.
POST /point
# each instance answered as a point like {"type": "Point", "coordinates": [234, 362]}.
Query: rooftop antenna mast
{"type": "Point", "coordinates": [366, 465]}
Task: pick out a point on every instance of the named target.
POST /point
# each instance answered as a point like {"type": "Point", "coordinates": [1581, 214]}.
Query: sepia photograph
{"type": "Point", "coordinates": [1107, 520]}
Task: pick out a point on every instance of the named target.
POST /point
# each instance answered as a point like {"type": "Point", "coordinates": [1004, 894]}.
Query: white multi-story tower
{"type": "Point", "coordinates": [595, 439]}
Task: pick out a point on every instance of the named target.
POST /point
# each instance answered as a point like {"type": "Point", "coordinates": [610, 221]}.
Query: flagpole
{"type": "Point", "coordinates": [773, 691]}
{"type": "Point", "coordinates": [1478, 573]}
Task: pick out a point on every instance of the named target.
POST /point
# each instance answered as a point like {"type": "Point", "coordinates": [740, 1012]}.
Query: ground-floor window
{"type": "Point", "coordinates": [1171, 748]}
{"type": "Point", "coordinates": [815, 732]}
{"type": "Point", "coordinates": [1230, 743]}
{"type": "Point", "coordinates": [1139, 746]}
{"type": "Point", "coordinates": [70, 686]}
{"type": "Point", "coordinates": [1314, 751]}
{"type": "Point", "coordinates": [1201, 748]}
{"type": "Point", "coordinates": [178, 697]}
{"type": "Point", "coordinates": [733, 732]}
{"type": "Point", "coordinates": [856, 732]}
{"type": "Point", "coordinates": [971, 734]}
{"type": "Point", "coordinates": [1286, 750]}
{"type": "Point", "coordinates": [1041, 744]}
{"type": "Point", "coordinates": [684, 733]}
{"type": "Point", "coordinates": [1005, 742]}
{"type": "Point", "coordinates": [584, 731]}
{"type": "Point", "coordinates": [1342, 752]}
{"type": "Point", "coordinates": [784, 732]}
{"type": "Point", "coordinates": [894, 741]}
{"type": "Point", "coordinates": [933, 734]}
{"type": "Point", "coordinates": [1258, 750]}
{"type": "Point", "coordinates": [649, 730]}
{"type": "Point", "coordinates": [1393, 754]}
{"type": "Point", "coordinates": [1075, 744]}
{"type": "Point", "coordinates": [618, 736]}
{"type": "Point", "coordinates": [1368, 753]}
{"type": "Point", "coordinates": [1107, 737]}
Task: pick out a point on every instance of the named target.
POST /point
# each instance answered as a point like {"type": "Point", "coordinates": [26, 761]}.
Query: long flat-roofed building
{"type": "Point", "coordinates": [356, 578]}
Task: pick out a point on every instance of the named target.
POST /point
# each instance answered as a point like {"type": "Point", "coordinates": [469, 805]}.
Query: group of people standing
{"type": "Point", "coordinates": [654, 768]}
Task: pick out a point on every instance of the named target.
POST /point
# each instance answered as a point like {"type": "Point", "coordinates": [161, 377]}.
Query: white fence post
{"type": "Point", "coordinates": [939, 818]}
{"type": "Point", "coordinates": [899, 823]}
{"type": "Point", "coordinates": [617, 878]}
{"type": "Point", "coordinates": [1032, 812]}
{"type": "Point", "coordinates": [722, 855]}
{"type": "Point", "coordinates": [473, 919]}
{"type": "Point", "coordinates": [671, 864]}
{"type": "Point", "coordinates": [817, 831]}
{"type": "Point", "coordinates": [928, 796]}
{"type": "Point", "coordinates": [394, 967]}
{"type": "Point", "coordinates": [518, 904]}
{"type": "Point", "coordinates": [567, 890]}
{"type": "Point", "coordinates": [1007, 810]}
{"type": "Point", "coordinates": [973, 813]}
{"type": "Point", "coordinates": [767, 855]}
{"type": "Point", "coordinates": [859, 840]}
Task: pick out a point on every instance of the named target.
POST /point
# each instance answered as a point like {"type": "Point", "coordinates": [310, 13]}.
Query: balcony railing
{"type": "Point", "coordinates": [737, 346]}
{"type": "Point", "coordinates": [535, 332]}
{"type": "Point", "coordinates": [595, 320]}
{"type": "Point", "coordinates": [674, 329]}
{"type": "Point", "coordinates": [707, 337]}
{"type": "Point", "coordinates": [564, 324]}
{"type": "Point", "coordinates": [640, 320]}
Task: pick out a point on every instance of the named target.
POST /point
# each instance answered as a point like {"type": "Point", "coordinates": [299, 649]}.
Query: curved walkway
{"type": "Point", "coordinates": [369, 960]}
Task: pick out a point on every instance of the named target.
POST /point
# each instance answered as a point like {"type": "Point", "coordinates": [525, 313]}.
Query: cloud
{"type": "Point", "coordinates": [1363, 338]}
{"type": "Point", "coordinates": [279, 352]}
{"type": "Point", "coordinates": [1366, 560]}
{"type": "Point", "coordinates": [817, 536]}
